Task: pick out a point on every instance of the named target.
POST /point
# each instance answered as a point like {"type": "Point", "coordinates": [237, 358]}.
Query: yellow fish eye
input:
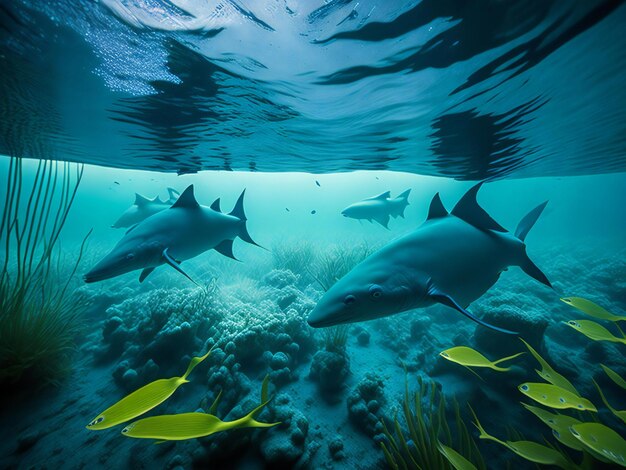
{"type": "Point", "coordinates": [98, 420]}
{"type": "Point", "coordinates": [573, 323]}
{"type": "Point", "coordinates": [567, 300]}
{"type": "Point", "coordinates": [444, 354]}
{"type": "Point", "coordinates": [524, 387]}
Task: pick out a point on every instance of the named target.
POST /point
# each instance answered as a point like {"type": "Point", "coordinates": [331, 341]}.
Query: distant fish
{"type": "Point", "coordinates": [555, 397]}
{"type": "Point", "coordinates": [377, 177]}
{"type": "Point", "coordinates": [592, 309]}
{"type": "Point", "coordinates": [116, 182]}
{"type": "Point", "coordinates": [144, 208]}
{"type": "Point", "coordinates": [318, 183]}
{"type": "Point", "coordinates": [469, 357]}
{"type": "Point", "coordinates": [595, 331]}
{"type": "Point", "coordinates": [183, 426]}
{"type": "Point", "coordinates": [287, 209]}
{"type": "Point", "coordinates": [378, 208]}
{"type": "Point", "coordinates": [179, 233]}
{"type": "Point", "coordinates": [603, 440]}
{"type": "Point", "coordinates": [313, 211]}
{"type": "Point", "coordinates": [451, 259]}
{"type": "Point", "coordinates": [143, 399]}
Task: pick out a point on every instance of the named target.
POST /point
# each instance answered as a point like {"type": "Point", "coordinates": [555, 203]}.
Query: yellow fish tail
{"type": "Point", "coordinates": [484, 434]}
{"type": "Point", "coordinates": [248, 420]}
{"type": "Point", "coordinates": [194, 362]}
{"type": "Point", "coordinates": [508, 358]}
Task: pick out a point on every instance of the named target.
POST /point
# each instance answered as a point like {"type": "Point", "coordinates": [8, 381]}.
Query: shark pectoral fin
{"type": "Point", "coordinates": [176, 265]}
{"type": "Point", "coordinates": [445, 299]}
{"type": "Point", "coordinates": [132, 227]}
{"type": "Point", "coordinates": [226, 248]}
{"type": "Point", "coordinates": [145, 273]}
{"type": "Point", "coordinates": [383, 220]}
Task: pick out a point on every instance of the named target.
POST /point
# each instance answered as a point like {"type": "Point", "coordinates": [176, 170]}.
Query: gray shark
{"type": "Point", "coordinates": [171, 236]}
{"type": "Point", "coordinates": [378, 208]}
{"type": "Point", "coordinates": [451, 259]}
{"type": "Point", "coordinates": [143, 208]}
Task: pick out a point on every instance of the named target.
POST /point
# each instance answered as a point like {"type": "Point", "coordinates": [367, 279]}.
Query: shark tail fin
{"type": "Point", "coordinates": [403, 198]}
{"type": "Point", "coordinates": [528, 221]}
{"type": "Point", "coordinates": [524, 226]}
{"type": "Point", "coordinates": [173, 194]}
{"type": "Point", "coordinates": [241, 215]}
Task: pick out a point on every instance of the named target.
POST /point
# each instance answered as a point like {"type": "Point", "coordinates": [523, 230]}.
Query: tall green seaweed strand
{"type": "Point", "coordinates": [415, 445]}
{"type": "Point", "coordinates": [38, 319]}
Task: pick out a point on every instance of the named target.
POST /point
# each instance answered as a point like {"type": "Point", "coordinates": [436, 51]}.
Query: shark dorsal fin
{"type": "Point", "coordinates": [436, 209]}
{"type": "Point", "coordinates": [187, 200]}
{"type": "Point", "coordinates": [385, 195]}
{"type": "Point", "coordinates": [468, 209]}
{"type": "Point", "coordinates": [216, 205]}
{"type": "Point", "coordinates": [141, 200]}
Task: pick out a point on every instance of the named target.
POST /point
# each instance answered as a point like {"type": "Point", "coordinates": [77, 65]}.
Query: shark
{"type": "Point", "coordinates": [171, 236]}
{"type": "Point", "coordinates": [143, 208]}
{"type": "Point", "coordinates": [452, 259]}
{"type": "Point", "coordinates": [378, 208]}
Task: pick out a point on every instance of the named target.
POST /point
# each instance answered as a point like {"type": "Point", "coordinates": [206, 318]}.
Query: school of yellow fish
{"type": "Point", "coordinates": [174, 427]}
{"type": "Point", "coordinates": [589, 436]}
{"type": "Point", "coordinates": [596, 439]}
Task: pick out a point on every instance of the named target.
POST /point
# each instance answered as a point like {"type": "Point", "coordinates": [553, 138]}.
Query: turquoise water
{"type": "Point", "coordinates": [310, 108]}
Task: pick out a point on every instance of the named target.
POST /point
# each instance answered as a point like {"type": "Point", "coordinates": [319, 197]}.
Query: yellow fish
{"type": "Point", "coordinates": [594, 331]}
{"type": "Point", "coordinates": [591, 309]}
{"type": "Point", "coordinates": [469, 357]}
{"type": "Point", "coordinates": [614, 376]}
{"type": "Point", "coordinates": [183, 426]}
{"type": "Point", "coordinates": [620, 414]}
{"type": "Point", "coordinates": [548, 374]}
{"type": "Point", "coordinates": [559, 424]}
{"type": "Point", "coordinates": [456, 460]}
{"type": "Point", "coordinates": [602, 440]}
{"type": "Point", "coordinates": [555, 397]}
{"type": "Point", "coordinates": [142, 400]}
{"type": "Point", "coordinates": [528, 450]}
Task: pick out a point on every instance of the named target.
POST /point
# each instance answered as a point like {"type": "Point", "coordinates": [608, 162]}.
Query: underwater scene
{"type": "Point", "coordinates": [314, 235]}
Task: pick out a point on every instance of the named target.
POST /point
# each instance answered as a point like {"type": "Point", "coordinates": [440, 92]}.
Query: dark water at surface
{"type": "Point", "coordinates": [469, 90]}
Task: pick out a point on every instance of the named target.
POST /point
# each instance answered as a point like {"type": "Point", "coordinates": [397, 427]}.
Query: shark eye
{"type": "Point", "coordinates": [349, 300]}
{"type": "Point", "coordinates": [376, 291]}
{"type": "Point", "coordinates": [130, 256]}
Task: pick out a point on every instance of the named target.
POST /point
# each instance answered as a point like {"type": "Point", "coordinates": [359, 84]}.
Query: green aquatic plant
{"type": "Point", "coordinates": [336, 337]}
{"type": "Point", "coordinates": [39, 318]}
{"type": "Point", "coordinates": [426, 431]}
{"type": "Point", "coordinates": [333, 264]}
{"type": "Point", "coordinates": [294, 256]}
